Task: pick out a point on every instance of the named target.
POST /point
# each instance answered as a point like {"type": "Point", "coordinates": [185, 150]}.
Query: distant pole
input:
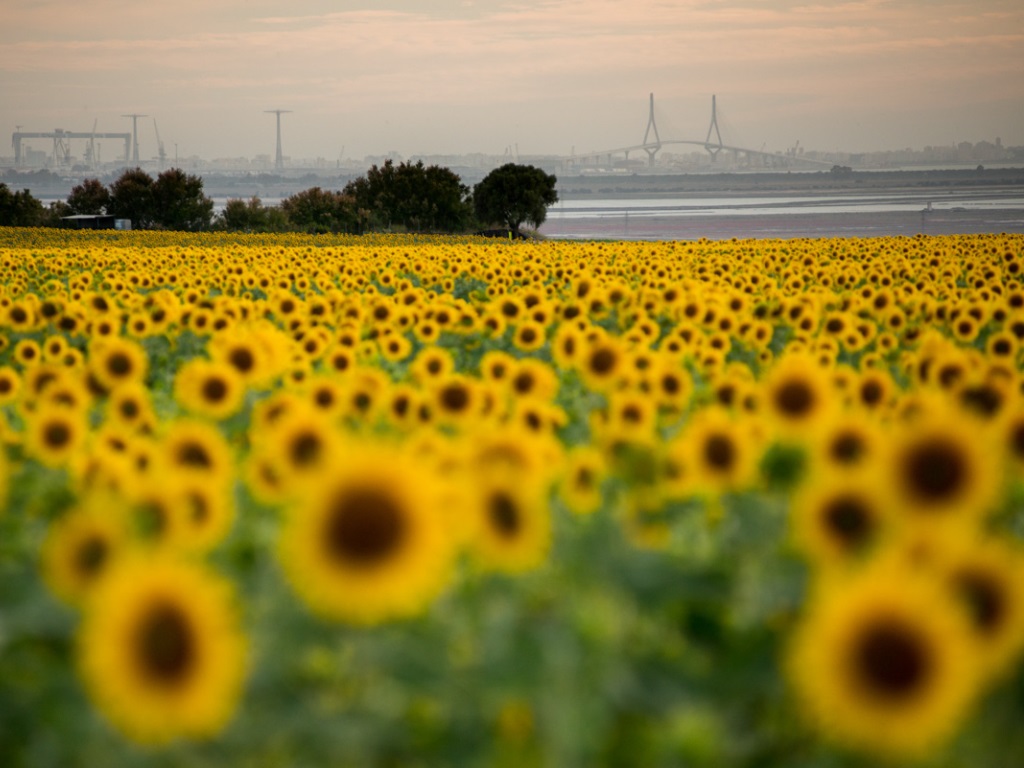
{"type": "Point", "coordinates": [135, 136]}
{"type": "Point", "coordinates": [279, 157]}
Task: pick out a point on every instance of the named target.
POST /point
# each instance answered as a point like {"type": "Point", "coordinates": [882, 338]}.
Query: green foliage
{"type": "Point", "coordinates": [131, 197]}
{"type": "Point", "coordinates": [417, 197]}
{"type": "Point", "coordinates": [513, 194]}
{"type": "Point", "coordinates": [179, 202]}
{"type": "Point", "coordinates": [175, 200]}
{"type": "Point", "coordinates": [319, 211]}
{"type": "Point", "coordinates": [20, 209]}
{"type": "Point", "coordinates": [89, 198]}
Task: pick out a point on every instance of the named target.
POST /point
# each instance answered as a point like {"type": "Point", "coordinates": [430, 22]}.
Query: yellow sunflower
{"type": "Point", "coordinates": [940, 469]}
{"type": "Point", "coordinates": [368, 541]}
{"type": "Point", "coordinates": [114, 361]}
{"type": "Point", "coordinates": [54, 434]}
{"type": "Point", "coordinates": [210, 389]}
{"type": "Point", "coordinates": [160, 650]}
{"type": "Point", "coordinates": [882, 662]}
{"type": "Point", "coordinates": [512, 522]}
{"type": "Point", "coordinates": [81, 546]}
{"type": "Point", "coordinates": [987, 578]}
{"type": "Point", "coordinates": [840, 516]}
{"type": "Point", "coordinates": [797, 394]}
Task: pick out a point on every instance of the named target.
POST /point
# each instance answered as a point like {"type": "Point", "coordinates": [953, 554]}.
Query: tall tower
{"type": "Point", "coordinates": [278, 158]}
{"type": "Point", "coordinates": [656, 144]}
{"type": "Point", "coordinates": [135, 136]}
{"type": "Point", "coordinates": [713, 149]}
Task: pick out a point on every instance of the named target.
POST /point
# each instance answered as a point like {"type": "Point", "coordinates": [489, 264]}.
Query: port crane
{"type": "Point", "coordinates": [162, 154]}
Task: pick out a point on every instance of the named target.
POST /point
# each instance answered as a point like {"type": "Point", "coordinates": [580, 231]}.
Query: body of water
{"type": "Point", "coordinates": [937, 212]}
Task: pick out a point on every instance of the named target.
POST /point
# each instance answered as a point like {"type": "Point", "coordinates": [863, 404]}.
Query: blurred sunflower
{"type": "Point", "coordinates": [209, 389]}
{"type": "Point", "coordinates": [882, 669]}
{"type": "Point", "coordinates": [80, 547]}
{"type": "Point", "coordinates": [114, 361]}
{"type": "Point", "coordinates": [987, 578]}
{"type": "Point", "coordinates": [54, 433]}
{"type": "Point", "coordinates": [160, 650]}
{"type": "Point", "coordinates": [582, 479]}
{"type": "Point", "coordinates": [196, 446]}
{"type": "Point", "coordinates": [719, 453]}
{"type": "Point", "coordinates": [367, 542]}
{"type": "Point", "coordinates": [10, 385]}
{"type": "Point", "coordinates": [512, 523]}
{"type": "Point", "coordinates": [797, 394]}
{"type": "Point", "coordinates": [940, 469]}
{"type": "Point", "coordinates": [840, 516]}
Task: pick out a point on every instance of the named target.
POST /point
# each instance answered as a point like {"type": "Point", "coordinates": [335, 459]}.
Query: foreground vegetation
{"type": "Point", "coordinates": [390, 501]}
{"type": "Point", "coordinates": [408, 197]}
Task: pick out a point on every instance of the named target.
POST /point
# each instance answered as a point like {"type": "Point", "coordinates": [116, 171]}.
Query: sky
{"type": "Point", "coordinates": [435, 77]}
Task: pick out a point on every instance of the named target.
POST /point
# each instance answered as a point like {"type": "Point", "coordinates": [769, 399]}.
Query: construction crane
{"type": "Point", "coordinates": [160, 146]}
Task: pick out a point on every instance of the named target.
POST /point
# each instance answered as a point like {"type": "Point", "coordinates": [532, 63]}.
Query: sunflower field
{"type": "Point", "coordinates": [405, 501]}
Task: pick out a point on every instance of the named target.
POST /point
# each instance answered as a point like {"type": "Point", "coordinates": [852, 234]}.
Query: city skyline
{"type": "Point", "coordinates": [549, 77]}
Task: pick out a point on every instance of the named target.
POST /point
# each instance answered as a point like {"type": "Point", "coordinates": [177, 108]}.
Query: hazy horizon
{"type": "Point", "coordinates": [464, 76]}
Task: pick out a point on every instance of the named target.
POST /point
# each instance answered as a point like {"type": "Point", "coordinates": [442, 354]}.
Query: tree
{"type": "Point", "coordinates": [244, 216]}
{"type": "Point", "coordinates": [513, 194]}
{"type": "Point", "coordinates": [20, 209]}
{"type": "Point", "coordinates": [90, 197]}
{"type": "Point", "coordinates": [179, 202]}
{"type": "Point", "coordinates": [131, 197]}
{"type": "Point", "coordinates": [319, 211]}
{"type": "Point", "coordinates": [413, 196]}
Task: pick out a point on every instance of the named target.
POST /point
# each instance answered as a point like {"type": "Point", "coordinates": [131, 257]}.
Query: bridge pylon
{"type": "Point", "coordinates": [713, 149]}
{"type": "Point", "coordinates": [651, 148]}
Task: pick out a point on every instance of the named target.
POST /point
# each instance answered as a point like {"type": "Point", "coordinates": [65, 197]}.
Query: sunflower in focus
{"type": "Point", "coordinates": [367, 542]}
{"type": "Point", "coordinates": [160, 650]}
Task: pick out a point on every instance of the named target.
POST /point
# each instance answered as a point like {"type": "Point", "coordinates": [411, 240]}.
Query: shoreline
{"type": "Point", "coordinates": [785, 226]}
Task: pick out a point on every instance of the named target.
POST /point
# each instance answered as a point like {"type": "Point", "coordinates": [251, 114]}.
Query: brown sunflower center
{"type": "Point", "coordinates": [305, 449]}
{"type": "Point", "coordinates": [985, 600]}
{"type": "Point", "coordinates": [849, 520]}
{"type": "Point", "coordinates": [165, 644]}
{"type": "Point", "coordinates": [193, 454]}
{"type": "Point", "coordinates": [794, 399]}
{"type": "Point", "coordinates": [242, 359]}
{"type": "Point", "coordinates": [215, 389]}
{"type": "Point", "coordinates": [720, 452]}
{"type": "Point", "coordinates": [90, 556]}
{"type": "Point", "coordinates": [602, 361]}
{"type": "Point", "coordinates": [454, 398]}
{"type": "Point", "coordinates": [934, 471]}
{"type": "Point", "coordinates": [364, 527]}
{"type": "Point", "coordinates": [56, 435]}
{"type": "Point", "coordinates": [119, 364]}
{"type": "Point", "coordinates": [503, 514]}
{"type": "Point", "coordinates": [847, 447]}
{"type": "Point", "coordinates": [891, 660]}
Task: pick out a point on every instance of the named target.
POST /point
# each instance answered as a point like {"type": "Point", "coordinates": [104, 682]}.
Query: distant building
{"type": "Point", "coordinates": [90, 221]}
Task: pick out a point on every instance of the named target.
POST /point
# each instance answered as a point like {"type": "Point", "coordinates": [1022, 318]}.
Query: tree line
{"type": "Point", "coordinates": [407, 197]}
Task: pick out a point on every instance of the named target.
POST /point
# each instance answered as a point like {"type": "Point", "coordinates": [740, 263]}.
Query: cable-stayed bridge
{"type": "Point", "coordinates": [712, 143]}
